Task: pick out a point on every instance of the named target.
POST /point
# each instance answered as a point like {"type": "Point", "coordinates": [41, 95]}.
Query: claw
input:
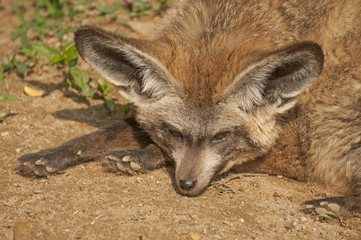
{"type": "Point", "coordinates": [112, 158]}
{"type": "Point", "coordinates": [27, 164]}
{"type": "Point", "coordinates": [41, 162]}
{"type": "Point", "coordinates": [127, 159]}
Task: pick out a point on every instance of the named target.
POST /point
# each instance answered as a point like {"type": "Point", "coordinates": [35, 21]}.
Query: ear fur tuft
{"type": "Point", "coordinates": [122, 61]}
{"type": "Point", "coordinates": [278, 78]}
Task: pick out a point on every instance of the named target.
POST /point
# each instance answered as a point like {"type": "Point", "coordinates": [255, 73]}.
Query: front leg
{"type": "Point", "coordinates": [335, 207]}
{"type": "Point", "coordinates": [137, 161]}
{"type": "Point", "coordinates": [123, 135]}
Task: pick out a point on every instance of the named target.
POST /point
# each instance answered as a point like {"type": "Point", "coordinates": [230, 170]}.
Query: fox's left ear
{"type": "Point", "coordinates": [277, 79]}
{"type": "Point", "coordinates": [127, 63]}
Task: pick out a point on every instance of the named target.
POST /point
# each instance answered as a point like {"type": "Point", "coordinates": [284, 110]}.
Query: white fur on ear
{"type": "Point", "coordinates": [139, 75]}
{"type": "Point", "coordinates": [278, 78]}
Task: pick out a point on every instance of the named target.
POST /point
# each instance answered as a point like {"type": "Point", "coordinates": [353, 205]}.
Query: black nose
{"type": "Point", "coordinates": [187, 184]}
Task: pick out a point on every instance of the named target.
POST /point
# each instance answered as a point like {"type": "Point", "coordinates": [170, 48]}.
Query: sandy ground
{"type": "Point", "coordinates": [89, 202]}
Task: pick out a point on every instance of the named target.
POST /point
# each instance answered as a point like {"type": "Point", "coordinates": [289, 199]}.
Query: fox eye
{"type": "Point", "coordinates": [220, 137]}
{"type": "Point", "coordinates": [176, 134]}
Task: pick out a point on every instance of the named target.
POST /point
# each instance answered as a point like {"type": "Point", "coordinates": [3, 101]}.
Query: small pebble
{"type": "Point", "coordinates": [324, 203]}
{"type": "Point", "coordinates": [194, 236]}
{"type": "Point", "coordinates": [289, 226]}
{"type": "Point", "coordinates": [3, 134]}
{"type": "Point", "coordinates": [241, 220]}
{"type": "Point", "coordinates": [37, 191]}
{"type": "Point", "coordinates": [309, 206]}
{"type": "Point", "coordinates": [334, 207]}
{"type": "Point", "coordinates": [81, 8]}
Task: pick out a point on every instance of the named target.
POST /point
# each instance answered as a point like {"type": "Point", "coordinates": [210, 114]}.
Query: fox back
{"type": "Point", "coordinates": [223, 82]}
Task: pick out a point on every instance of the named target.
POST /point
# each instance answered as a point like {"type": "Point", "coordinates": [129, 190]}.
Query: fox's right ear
{"type": "Point", "coordinates": [124, 62]}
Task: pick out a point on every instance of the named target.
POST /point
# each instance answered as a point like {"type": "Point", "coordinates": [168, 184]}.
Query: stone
{"type": "Point", "coordinates": [194, 236]}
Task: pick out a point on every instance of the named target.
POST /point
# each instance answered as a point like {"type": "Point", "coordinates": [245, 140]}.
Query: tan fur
{"type": "Point", "coordinates": [209, 52]}
{"type": "Point", "coordinates": [201, 52]}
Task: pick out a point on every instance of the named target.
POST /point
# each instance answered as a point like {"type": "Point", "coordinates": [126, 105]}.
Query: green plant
{"type": "Point", "coordinates": [139, 7]}
{"type": "Point", "coordinates": [330, 216]}
{"type": "Point", "coordinates": [222, 189]}
{"type": "Point", "coordinates": [12, 63]}
{"type": "Point", "coordinates": [8, 98]}
{"type": "Point", "coordinates": [79, 82]}
{"type": "Point", "coordinates": [50, 15]}
{"type": "Point", "coordinates": [59, 17]}
{"type": "Point", "coordinates": [163, 3]}
{"type": "Point", "coordinates": [105, 10]}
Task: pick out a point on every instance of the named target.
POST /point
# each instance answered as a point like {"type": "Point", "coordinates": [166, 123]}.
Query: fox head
{"type": "Point", "coordinates": [207, 115]}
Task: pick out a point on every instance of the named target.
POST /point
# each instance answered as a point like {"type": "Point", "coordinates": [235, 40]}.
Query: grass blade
{"type": "Point", "coordinates": [8, 98]}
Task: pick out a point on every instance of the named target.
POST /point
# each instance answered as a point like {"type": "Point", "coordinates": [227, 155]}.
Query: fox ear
{"type": "Point", "coordinates": [277, 79]}
{"type": "Point", "coordinates": [122, 62]}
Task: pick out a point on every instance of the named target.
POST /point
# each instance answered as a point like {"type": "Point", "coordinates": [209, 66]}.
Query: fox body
{"type": "Point", "coordinates": [231, 82]}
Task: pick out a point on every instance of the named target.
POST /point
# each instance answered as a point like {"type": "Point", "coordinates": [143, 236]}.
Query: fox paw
{"type": "Point", "coordinates": [335, 207]}
{"type": "Point", "coordinates": [126, 161]}
{"type": "Point", "coordinates": [43, 163]}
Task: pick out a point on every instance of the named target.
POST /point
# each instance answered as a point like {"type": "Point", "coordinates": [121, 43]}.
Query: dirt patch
{"type": "Point", "coordinates": [89, 202]}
